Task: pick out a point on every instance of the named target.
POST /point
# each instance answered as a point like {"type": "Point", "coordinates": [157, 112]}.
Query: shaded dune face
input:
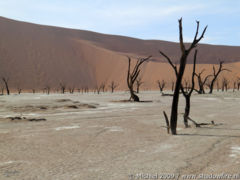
{"type": "Point", "coordinates": [34, 56]}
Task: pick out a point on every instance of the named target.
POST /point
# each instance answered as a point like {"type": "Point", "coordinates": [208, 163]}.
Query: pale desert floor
{"type": "Point", "coordinates": [97, 137]}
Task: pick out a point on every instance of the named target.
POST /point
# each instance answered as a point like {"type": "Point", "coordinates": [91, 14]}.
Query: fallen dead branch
{"type": "Point", "coordinates": [165, 94]}
{"type": "Point", "coordinates": [200, 124]}
{"type": "Point", "coordinates": [27, 119]}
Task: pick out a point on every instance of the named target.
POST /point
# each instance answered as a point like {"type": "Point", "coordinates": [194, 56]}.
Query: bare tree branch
{"type": "Point", "coordinates": [133, 75]}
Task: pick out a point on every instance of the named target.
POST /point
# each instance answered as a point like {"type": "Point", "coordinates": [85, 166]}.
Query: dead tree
{"type": "Point", "coordinates": [215, 75]}
{"type": "Point", "coordinates": [234, 85]}
{"type": "Point", "coordinates": [179, 73]}
{"type": "Point", "coordinates": [139, 82]}
{"type": "Point", "coordinates": [187, 90]}
{"type": "Point", "coordinates": [5, 80]}
{"type": "Point", "coordinates": [71, 90]}
{"type": "Point", "coordinates": [113, 86]}
{"type": "Point", "coordinates": [103, 85]}
{"type": "Point", "coordinates": [83, 90]}
{"type": "Point", "coordinates": [201, 82]}
{"type": "Point", "coordinates": [225, 84]}
{"type": "Point", "coordinates": [48, 89]}
{"type": "Point", "coordinates": [161, 85]}
{"type": "Point", "coordinates": [133, 75]}
{"type": "Point", "coordinates": [62, 87]}
{"type": "Point", "coordinates": [98, 89]}
{"type": "Point", "coordinates": [86, 89]}
{"type": "Point", "coordinates": [19, 90]}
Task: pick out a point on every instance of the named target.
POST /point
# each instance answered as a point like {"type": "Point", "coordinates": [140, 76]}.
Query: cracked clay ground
{"type": "Point", "coordinates": [98, 137]}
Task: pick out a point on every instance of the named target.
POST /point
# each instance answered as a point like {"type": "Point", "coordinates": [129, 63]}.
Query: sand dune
{"type": "Point", "coordinates": [33, 56]}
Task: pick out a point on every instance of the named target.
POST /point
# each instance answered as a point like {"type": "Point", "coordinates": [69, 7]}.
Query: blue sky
{"type": "Point", "coordinates": [145, 19]}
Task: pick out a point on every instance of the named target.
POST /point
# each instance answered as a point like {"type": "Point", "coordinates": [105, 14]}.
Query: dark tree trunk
{"type": "Point", "coordinates": [6, 85]}
{"type": "Point", "coordinates": [134, 97]}
{"type": "Point", "coordinates": [113, 86]}
{"type": "Point", "coordinates": [226, 88]}
{"type": "Point", "coordinates": [71, 90]}
{"type": "Point", "coordinates": [212, 83]}
{"type": "Point", "coordinates": [48, 89]}
{"type": "Point", "coordinates": [98, 90]}
{"type": "Point", "coordinates": [202, 90]}
{"type": "Point", "coordinates": [102, 86]}
{"type": "Point", "coordinates": [139, 83]}
{"type": "Point", "coordinates": [234, 86]}
{"type": "Point", "coordinates": [174, 112]}
{"type": "Point", "coordinates": [187, 110]}
{"type": "Point", "coordinates": [211, 87]}
{"type": "Point", "coordinates": [167, 121]}
{"type": "Point", "coordinates": [63, 87]}
{"type": "Point", "coordinates": [188, 93]}
{"type": "Point", "coordinates": [161, 85]}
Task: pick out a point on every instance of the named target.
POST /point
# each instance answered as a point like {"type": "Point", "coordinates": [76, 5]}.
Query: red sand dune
{"type": "Point", "coordinates": [33, 56]}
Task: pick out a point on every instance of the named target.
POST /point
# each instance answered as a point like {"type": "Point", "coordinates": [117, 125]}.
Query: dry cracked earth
{"type": "Point", "coordinates": [100, 137]}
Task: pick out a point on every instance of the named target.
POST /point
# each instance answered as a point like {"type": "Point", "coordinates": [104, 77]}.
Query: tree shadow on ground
{"type": "Point", "coordinates": [210, 135]}
{"type": "Point", "coordinates": [234, 129]}
{"type": "Point", "coordinates": [128, 101]}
